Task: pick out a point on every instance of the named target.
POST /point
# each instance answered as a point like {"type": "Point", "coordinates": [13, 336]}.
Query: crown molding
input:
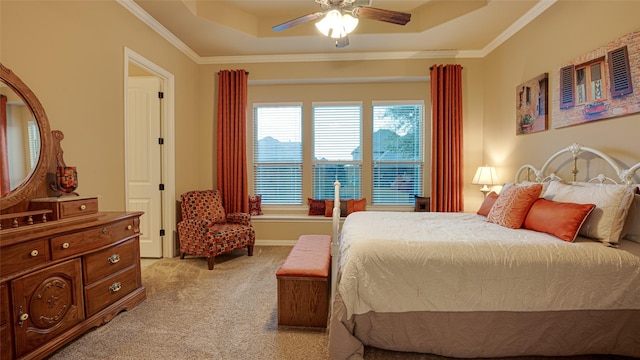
{"type": "Point", "coordinates": [329, 57]}
{"type": "Point", "coordinates": [144, 16]}
{"type": "Point", "coordinates": [346, 80]}
{"type": "Point", "coordinates": [141, 14]}
{"type": "Point", "coordinates": [525, 19]}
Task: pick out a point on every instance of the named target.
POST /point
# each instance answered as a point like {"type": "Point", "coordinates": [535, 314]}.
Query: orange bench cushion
{"type": "Point", "coordinates": [310, 257]}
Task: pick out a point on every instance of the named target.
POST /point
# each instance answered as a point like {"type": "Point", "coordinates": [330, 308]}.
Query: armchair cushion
{"type": "Point", "coordinates": [205, 204]}
{"type": "Point", "coordinates": [239, 218]}
{"type": "Point", "coordinates": [207, 230]}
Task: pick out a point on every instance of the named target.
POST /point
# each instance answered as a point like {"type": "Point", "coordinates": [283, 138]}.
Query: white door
{"type": "Point", "coordinates": [144, 160]}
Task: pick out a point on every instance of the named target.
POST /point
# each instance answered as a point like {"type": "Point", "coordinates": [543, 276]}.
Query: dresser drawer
{"type": "Point", "coordinates": [4, 304]}
{"type": "Point", "coordinates": [83, 241]}
{"type": "Point", "coordinates": [109, 261]}
{"type": "Point", "coordinates": [23, 256]}
{"type": "Point", "coordinates": [78, 207]}
{"type": "Point", "coordinates": [5, 335]}
{"type": "Point", "coordinates": [6, 346]}
{"type": "Point", "coordinates": [112, 288]}
{"type": "Point", "coordinates": [66, 207]}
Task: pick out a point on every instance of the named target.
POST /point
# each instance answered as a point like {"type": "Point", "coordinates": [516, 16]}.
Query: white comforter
{"type": "Point", "coordinates": [399, 262]}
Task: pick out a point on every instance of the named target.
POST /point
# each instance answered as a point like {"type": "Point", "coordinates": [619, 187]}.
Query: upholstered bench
{"type": "Point", "coordinates": [303, 283]}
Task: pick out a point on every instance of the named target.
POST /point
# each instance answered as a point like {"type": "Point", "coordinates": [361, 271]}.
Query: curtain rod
{"type": "Point", "coordinates": [431, 68]}
{"type": "Point", "coordinates": [246, 72]}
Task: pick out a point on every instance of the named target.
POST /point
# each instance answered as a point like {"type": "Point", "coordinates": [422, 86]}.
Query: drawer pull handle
{"type": "Point", "coordinates": [113, 259]}
{"type": "Point", "coordinates": [22, 316]}
{"type": "Point", "coordinates": [115, 287]}
{"type": "Point", "coordinates": [129, 227]}
{"type": "Point", "coordinates": [83, 207]}
{"type": "Point", "coordinates": [104, 230]}
{"type": "Point", "coordinates": [34, 253]}
{"type": "Point", "coordinates": [65, 245]}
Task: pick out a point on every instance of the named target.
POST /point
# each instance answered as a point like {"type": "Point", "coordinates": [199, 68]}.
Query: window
{"type": "Point", "coordinates": [566, 87]}
{"type": "Point", "coordinates": [589, 82]}
{"type": "Point", "coordinates": [337, 150]}
{"type": "Point", "coordinates": [277, 137]}
{"type": "Point", "coordinates": [34, 143]}
{"type": "Point", "coordinates": [620, 72]}
{"type": "Point", "coordinates": [397, 159]}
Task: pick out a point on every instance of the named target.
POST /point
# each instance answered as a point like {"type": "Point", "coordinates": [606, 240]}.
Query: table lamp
{"type": "Point", "coordinates": [485, 175]}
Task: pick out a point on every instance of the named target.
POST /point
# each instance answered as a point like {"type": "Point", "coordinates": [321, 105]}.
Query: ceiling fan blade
{"type": "Point", "coordinates": [342, 42]}
{"type": "Point", "coordinates": [297, 21]}
{"type": "Point", "coordinates": [390, 16]}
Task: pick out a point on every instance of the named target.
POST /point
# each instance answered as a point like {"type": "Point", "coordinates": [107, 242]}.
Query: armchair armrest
{"type": "Point", "coordinates": [239, 218]}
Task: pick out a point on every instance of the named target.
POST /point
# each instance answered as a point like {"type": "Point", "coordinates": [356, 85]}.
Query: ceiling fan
{"type": "Point", "coordinates": [340, 17]}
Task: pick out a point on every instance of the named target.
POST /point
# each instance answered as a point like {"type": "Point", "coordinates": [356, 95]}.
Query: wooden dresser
{"type": "Point", "coordinates": [60, 278]}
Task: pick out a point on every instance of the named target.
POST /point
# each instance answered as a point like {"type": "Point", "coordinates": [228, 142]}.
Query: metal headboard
{"type": "Point", "coordinates": [625, 176]}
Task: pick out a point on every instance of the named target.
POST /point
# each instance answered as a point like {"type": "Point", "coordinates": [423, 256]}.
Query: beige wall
{"type": "Point", "coordinates": [565, 31]}
{"type": "Point", "coordinates": [71, 54]}
{"type": "Point", "coordinates": [313, 72]}
{"type": "Point", "coordinates": [313, 91]}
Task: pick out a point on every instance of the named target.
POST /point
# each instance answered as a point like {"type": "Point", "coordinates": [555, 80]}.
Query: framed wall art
{"type": "Point", "coordinates": [531, 105]}
{"type": "Point", "coordinates": [601, 84]}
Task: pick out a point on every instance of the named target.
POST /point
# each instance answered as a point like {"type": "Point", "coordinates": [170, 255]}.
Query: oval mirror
{"type": "Point", "coordinates": [25, 139]}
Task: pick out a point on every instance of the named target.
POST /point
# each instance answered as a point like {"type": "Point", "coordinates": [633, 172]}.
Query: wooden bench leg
{"type": "Point", "coordinates": [182, 254]}
{"type": "Point", "coordinates": [210, 261]}
{"type": "Point", "coordinates": [250, 250]}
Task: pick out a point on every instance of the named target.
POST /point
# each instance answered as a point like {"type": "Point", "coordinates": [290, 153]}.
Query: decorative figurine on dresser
{"type": "Point", "coordinates": [65, 267]}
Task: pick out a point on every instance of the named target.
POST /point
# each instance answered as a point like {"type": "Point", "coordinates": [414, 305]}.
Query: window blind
{"type": "Point", "coordinates": [278, 153]}
{"type": "Point", "coordinates": [397, 152]}
{"type": "Point", "coordinates": [337, 149]}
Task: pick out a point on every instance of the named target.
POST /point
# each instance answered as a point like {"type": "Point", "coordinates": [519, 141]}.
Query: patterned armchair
{"type": "Point", "coordinates": [206, 230]}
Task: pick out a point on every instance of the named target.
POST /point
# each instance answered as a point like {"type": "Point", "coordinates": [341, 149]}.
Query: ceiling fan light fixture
{"type": "Point", "coordinates": [349, 22]}
{"type": "Point", "coordinates": [336, 25]}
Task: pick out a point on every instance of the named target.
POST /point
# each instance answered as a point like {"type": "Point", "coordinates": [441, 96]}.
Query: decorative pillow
{"type": "Point", "coordinates": [631, 229]}
{"type": "Point", "coordinates": [356, 205]}
{"type": "Point", "coordinates": [612, 202]}
{"type": "Point", "coordinates": [512, 205]}
{"type": "Point", "coordinates": [505, 186]}
{"type": "Point", "coordinates": [204, 204]}
{"type": "Point", "coordinates": [560, 219]}
{"type": "Point", "coordinates": [255, 205]}
{"type": "Point", "coordinates": [316, 207]}
{"type": "Point", "coordinates": [328, 208]}
{"type": "Point", "coordinates": [487, 204]}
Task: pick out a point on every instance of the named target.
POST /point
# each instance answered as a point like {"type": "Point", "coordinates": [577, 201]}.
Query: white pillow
{"type": "Point", "coordinates": [631, 230]}
{"type": "Point", "coordinates": [606, 221]}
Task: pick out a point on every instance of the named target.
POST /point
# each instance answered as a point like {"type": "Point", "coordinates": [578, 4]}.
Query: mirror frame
{"type": "Point", "coordinates": [38, 174]}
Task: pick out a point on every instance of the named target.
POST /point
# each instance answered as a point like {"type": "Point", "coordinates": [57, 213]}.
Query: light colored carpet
{"type": "Point", "coordinates": [227, 313]}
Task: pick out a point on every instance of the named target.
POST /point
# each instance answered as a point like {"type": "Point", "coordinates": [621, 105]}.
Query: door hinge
{"type": "Point", "coordinates": [160, 95]}
{"type": "Point", "coordinates": [161, 141]}
{"type": "Point", "coordinates": [161, 186]}
{"type": "Point", "coordinates": [161, 232]}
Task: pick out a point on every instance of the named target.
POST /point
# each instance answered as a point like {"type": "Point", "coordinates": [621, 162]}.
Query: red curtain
{"type": "Point", "coordinates": [446, 138]}
{"type": "Point", "coordinates": [4, 151]}
{"type": "Point", "coordinates": [232, 139]}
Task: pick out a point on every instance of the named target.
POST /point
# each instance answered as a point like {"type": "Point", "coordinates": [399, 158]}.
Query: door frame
{"type": "Point", "coordinates": [167, 118]}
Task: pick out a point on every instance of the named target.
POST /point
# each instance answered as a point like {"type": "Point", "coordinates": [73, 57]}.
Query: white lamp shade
{"type": "Point", "coordinates": [336, 25]}
{"type": "Point", "coordinates": [349, 23]}
{"type": "Point", "coordinates": [486, 175]}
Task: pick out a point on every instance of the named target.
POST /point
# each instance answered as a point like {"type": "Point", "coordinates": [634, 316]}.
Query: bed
{"type": "Point", "coordinates": [474, 285]}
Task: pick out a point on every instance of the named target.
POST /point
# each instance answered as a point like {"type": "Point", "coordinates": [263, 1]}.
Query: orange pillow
{"type": "Point", "coordinates": [356, 205]}
{"type": "Point", "coordinates": [487, 204]}
{"type": "Point", "coordinates": [512, 205]}
{"type": "Point", "coordinates": [560, 219]}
